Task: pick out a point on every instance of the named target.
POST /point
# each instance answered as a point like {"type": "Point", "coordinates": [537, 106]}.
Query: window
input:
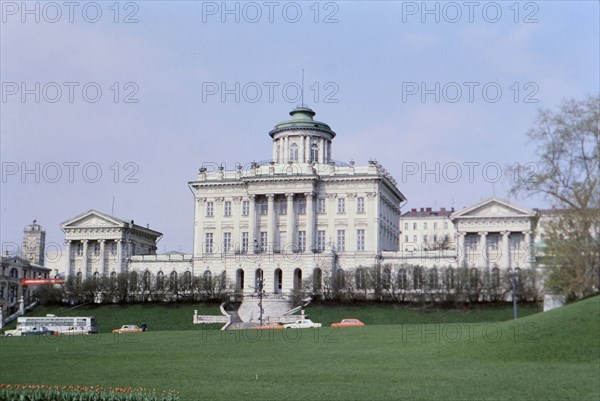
{"type": "Point", "coordinates": [208, 243]}
{"type": "Point", "coordinates": [263, 241]}
{"type": "Point", "coordinates": [402, 280]}
{"type": "Point", "coordinates": [341, 240]}
{"type": "Point", "coordinates": [360, 205]}
{"type": "Point", "coordinates": [227, 208]}
{"type": "Point", "coordinates": [414, 226]}
{"type": "Point", "coordinates": [302, 206]}
{"type": "Point", "coordinates": [314, 152]}
{"type": "Point", "coordinates": [209, 209]}
{"type": "Point", "coordinates": [361, 279]}
{"type": "Point", "coordinates": [417, 278]}
{"type": "Point", "coordinates": [406, 238]}
{"type": "Point", "coordinates": [245, 208]}
{"type": "Point", "coordinates": [244, 242]}
{"type": "Point", "coordinates": [294, 152]}
{"type": "Point", "coordinates": [226, 242]}
{"type": "Point", "coordinates": [320, 240]}
{"type": "Point", "coordinates": [80, 249]}
{"type": "Point", "coordinates": [425, 238]}
{"type": "Point", "coordinates": [301, 241]}
{"type": "Point", "coordinates": [360, 240]}
{"type": "Point", "coordinates": [406, 226]}
{"type": "Point", "coordinates": [435, 238]}
{"type": "Point", "coordinates": [283, 206]}
{"type": "Point", "coordinates": [341, 205]}
{"type": "Point", "coordinates": [414, 238]}
{"type": "Point", "coordinates": [445, 225]}
{"type": "Point", "coordinates": [113, 248]}
{"type": "Point", "coordinates": [321, 205]}
{"type": "Point", "coordinates": [435, 226]}
{"type": "Point", "coordinates": [424, 226]}
{"type": "Point", "coordinates": [96, 249]}
{"type": "Point", "coordinates": [386, 278]}
{"type": "Point", "coordinates": [264, 207]}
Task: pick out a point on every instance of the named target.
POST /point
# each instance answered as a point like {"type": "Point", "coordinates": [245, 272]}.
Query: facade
{"type": "Point", "coordinates": [427, 229]}
{"type": "Point", "coordinates": [300, 215]}
{"type": "Point", "coordinates": [13, 269]}
{"type": "Point", "coordinates": [101, 245]}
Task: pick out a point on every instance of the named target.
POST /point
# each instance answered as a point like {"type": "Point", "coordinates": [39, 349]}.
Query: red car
{"type": "Point", "coordinates": [348, 323]}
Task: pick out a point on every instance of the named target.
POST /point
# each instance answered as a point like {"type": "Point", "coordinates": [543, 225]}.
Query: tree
{"type": "Point", "coordinates": [567, 174]}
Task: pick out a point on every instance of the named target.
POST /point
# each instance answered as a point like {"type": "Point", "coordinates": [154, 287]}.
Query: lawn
{"type": "Point", "coordinates": [552, 355]}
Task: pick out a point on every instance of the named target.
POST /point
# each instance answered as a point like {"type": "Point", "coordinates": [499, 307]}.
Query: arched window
{"type": "Point", "coordinates": [418, 278]}
{"type": "Point", "coordinates": [474, 278]}
{"type": "Point", "coordinates": [223, 280]}
{"type": "Point", "coordinates": [402, 280]}
{"type": "Point", "coordinates": [386, 278]}
{"type": "Point", "coordinates": [361, 279]}
{"type": "Point", "coordinates": [79, 277]}
{"type": "Point", "coordinates": [293, 152]}
{"type": "Point", "coordinates": [433, 278]}
{"type": "Point", "coordinates": [207, 275]}
{"type": "Point", "coordinates": [277, 281]}
{"type": "Point", "coordinates": [173, 277]}
{"type": "Point", "coordinates": [160, 279]}
{"type": "Point", "coordinates": [187, 279]}
{"type": "Point", "coordinates": [297, 279]}
{"type": "Point", "coordinates": [14, 273]}
{"type": "Point", "coordinates": [314, 152]}
{"type": "Point", "coordinates": [341, 279]}
{"type": "Point", "coordinates": [317, 279]}
{"type": "Point", "coordinates": [239, 279]}
{"type": "Point", "coordinates": [450, 278]}
{"type": "Point", "coordinates": [258, 280]}
{"type": "Point", "coordinates": [147, 279]}
{"type": "Point", "coordinates": [495, 277]}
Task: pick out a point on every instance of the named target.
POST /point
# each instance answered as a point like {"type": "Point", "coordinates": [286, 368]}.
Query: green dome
{"type": "Point", "coordinates": [302, 118]}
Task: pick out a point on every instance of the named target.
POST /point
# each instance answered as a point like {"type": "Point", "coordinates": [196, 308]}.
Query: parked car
{"type": "Point", "coordinates": [128, 328]}
{"type": "Point", "coordinates": [301, 324]}
{"type": "Point", "coordinates": [35, 331]}
{"type": "Point", "coordinates": [348, 323]}
{"type": "Point", "coordinates": [74, 330]}
{"type": "Point", "coordinates": [268, 326]}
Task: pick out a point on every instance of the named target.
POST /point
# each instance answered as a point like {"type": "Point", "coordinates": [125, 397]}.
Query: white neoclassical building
{"type": "Point", "coordinates": [301, 214]}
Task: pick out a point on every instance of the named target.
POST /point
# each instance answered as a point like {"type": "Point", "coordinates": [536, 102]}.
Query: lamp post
{"type": "Point", "coordinates": [513, 279]}
{"type": "Point", "coordinates": [260, 299]}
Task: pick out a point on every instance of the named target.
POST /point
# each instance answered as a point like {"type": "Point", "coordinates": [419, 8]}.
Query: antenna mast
{"type": "Point", "coordinates": [302, 91]}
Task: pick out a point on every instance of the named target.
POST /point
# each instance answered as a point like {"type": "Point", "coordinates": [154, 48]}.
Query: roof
{"type": "Point", "coordinates": [115, 220]}
{"type": "Point", "coordinates": [510, 208]}
{"type": "Point", "coordinates": [302, 118]}
{"type": "Point", "coordinates": [428, 212]}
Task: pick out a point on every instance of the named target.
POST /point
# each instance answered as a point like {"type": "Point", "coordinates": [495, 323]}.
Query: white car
{"type": "Point", "coordinates": [301, 324]}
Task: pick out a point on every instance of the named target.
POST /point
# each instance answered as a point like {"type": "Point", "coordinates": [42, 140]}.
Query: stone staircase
{"type": "Point", "coordinates": [273, 307]}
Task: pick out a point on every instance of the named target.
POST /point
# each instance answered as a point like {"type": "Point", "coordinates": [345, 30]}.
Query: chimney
{"type": "Point", "coordinates": [442, 209]}
{"type": "Point", "coordinates": [428, 209]}
{"type": "Point", "coordinates": [414, 209]}
{"type": "Point", "coordinates": [422, 209]}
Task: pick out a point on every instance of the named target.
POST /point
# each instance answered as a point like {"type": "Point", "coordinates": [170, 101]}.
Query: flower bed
{"type": "Point", "coordinates": [36, 392]}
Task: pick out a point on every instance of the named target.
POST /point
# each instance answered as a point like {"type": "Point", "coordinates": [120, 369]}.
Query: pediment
{"type": "Point", "coordinates": [494, 208]}
{"type": "Point", "coordinates": [90, 219]}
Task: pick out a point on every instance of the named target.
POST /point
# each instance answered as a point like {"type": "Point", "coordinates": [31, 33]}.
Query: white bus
{"type": "Point", "coordinates": [59, 324]}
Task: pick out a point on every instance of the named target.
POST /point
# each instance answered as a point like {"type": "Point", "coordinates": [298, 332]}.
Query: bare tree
{"type": "Point", "coordinates": [567, 173]}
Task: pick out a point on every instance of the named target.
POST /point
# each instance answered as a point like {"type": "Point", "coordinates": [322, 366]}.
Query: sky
{"type": "Point", "coordinates": [114, 106]}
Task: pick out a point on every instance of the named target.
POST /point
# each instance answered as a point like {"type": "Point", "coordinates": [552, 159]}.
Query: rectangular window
{"type": "Point", "coordinates": [360, 240]}
{"type": "Point", "coordinates": [227, 208]}
{"type": "Point", "coordinates": [445, 225]}
{"type": "Point", "coordinates": [226, 242]}
{"type": "Point", "coordinates": [80, 249]}
{"type": "Point", "coordinates": [96, 249]}
{"type": "Point", "coordinates": [209, 209]}
{"type": "Point", "coordinates": [302, 206]}
{"type": "Point", "coordinates": [341, 240]}
{"type": "Point", "coordinates": [301, 241]}
{"type": "Point", "coordinates": [360, 205]}
{"type": "Point", "coordinates": [435, 226]}
{"type": "Point", "coordinates": [406, 226]}
{"type": "Point", "coordinates": [320, 240]}
{"type": "Point", "coordinates": [434, 238]}
{"type": "Point", "coordinates": [263, 241]}
{"type": "Point", "coordinates": [406, 238]}
{"type": "Point", "coordinates": [321, 205]}
{"type": "Point", "coordinates": [244, 242]}
{"type": "Point", "coordinates": [414, 238]}
{"type": "Point", "coordinates": [414, 226]}
{"type": "Point", "coordinates": [245, 208]}
{"type": "Point", "coordinates": [208, 243]}
{"type": "Point", "coordinates": [264, 207]}
{"type": "Point", "coordinates": [283, 206]}
{"type": "Point", "coordinates": [425, 238]}
{"type": "Point", "coordinates": [113, 248]}
{"type": "Point", "coordinates": [341, 205]}
{"type": "Point", "coordinates": [424, 226]}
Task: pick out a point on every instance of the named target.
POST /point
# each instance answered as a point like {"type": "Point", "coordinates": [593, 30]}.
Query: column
{"type": "Point", "coordinates": [322, 151]}
{"type": "Point", "coordinates": [198, 208]}
{"type": "Point", "coordinates": [252, 224]}
{"type": "Point", "coordinates": [483, 249]}
{"type": "Point", "coordinates": [236, 236]}
{"type": "Point", "coordinates": [270, 221]}
{"type": "Point", "coordinates": [310, 220]}
{"type": "Point", "coordinates": [103, 269]}
{"type": "Point", "coordinates": [527, 249]}
{"type": "Point", "coordinates": [331, 212]}
{"type": "Point", "coordinates": [460, 250]}
{"type": "Point", "coordinates": [70, 266]}
{"type": "Point", "coordinates": [119, 256]}
{"type": "Point", "coordinates": [85, 272]}
{"type": "Point", "coordinates": [290, 227]}
{"type": "Point", "coordinates": [505, 250]}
